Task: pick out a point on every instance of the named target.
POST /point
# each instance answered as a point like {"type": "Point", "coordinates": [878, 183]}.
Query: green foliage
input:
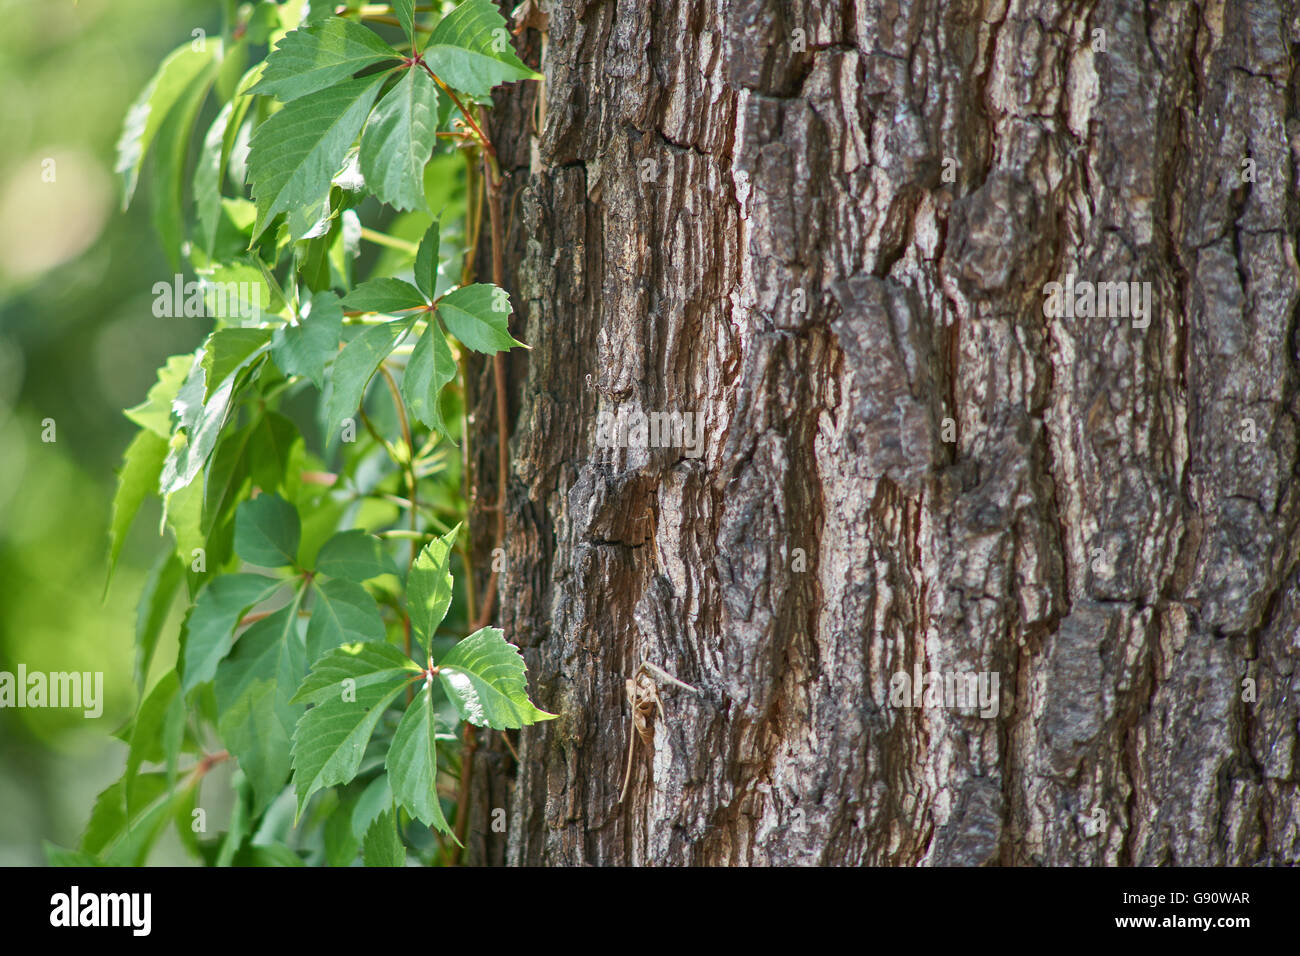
{"type": "Point", "coordinates": [312, 522]}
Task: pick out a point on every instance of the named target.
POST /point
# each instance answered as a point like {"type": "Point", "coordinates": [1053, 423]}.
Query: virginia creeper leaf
{"type": "Point", "coordinates": [477, 315]}
{"type": "Point", "coordinates": [399, 140]}
{"type": "Point", "coordinates": [267, 531]}
{"type": "Point", "coordinates": [428, 586]}
{"type": "Point", "coordinates": [311, 59]}
{"type": "Point", "coordinates": [294, 155]}
{"type": "Point", "coordinates": [470, 50]}
{"type": "Point", "coordinates": [305, 348]}
{"type": "Point", "coordinates": [412, 763]}
{"type": "Point", "coordinates": [346, 386]}
{"type": "Point", "coordinates": [484, 677]}
{"type": "Point", "coordinates": [354, 555]}
{"type": "Point", "coordinates": [209, 628]}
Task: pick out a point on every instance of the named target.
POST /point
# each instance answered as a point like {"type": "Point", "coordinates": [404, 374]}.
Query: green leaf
{"type": "Point", "coordinates": [152, 107]}
{"type": "Point", "coordinates": [344, 613]}
{"type": "Point", "coordinates": [478, 316]}
{"type": "Point", "coordinates": [199, 425]}
{"type": "Point", "coordinates": [155, 412]}
{"type": "Point", "coordinates": [405, 12]}
{"type": "Point", "coordinates": [426, 261]}
{"type": "Point", "coordinates": [346, 386]}
{"type": "Point", "coordinates": [484, 677]}
{"type": "Point", "coordinates": [166, 198]}
{"type": "Point", "coordinates": [364, 664]}
{"type": "Point", "coordinates": [122, 837]}
{"type": "Point", "coordinates": [331, 737]}
{"type": "Point", "coordinates": [374, 800]}
{"type": "Point", "coordinates": [311, 59]}
{"type": "Point", "coordinates": [261, 451]}
{"type": "Point", "coordinates": [399, 139]}
{"type": "Point", "coordinates": [295, 154]}
{"type": "Point", "coordinates": [208, 632]}
{"type": "Point", "coordinates": [267, 532]}
{"type": "Point", "coordinates": [226, 351]}
{"type": "Point", "coordinates": [470, 50]}
{"type": "Point", "coordinates": [412, 763]}
{"type": "Point", "coordinates": [428, 586]}
{"type": "Point", "coordinates": [253, 688]}
{"type": "Point", "coordinates": [383, 844]}
{"type": "Point", "coordinates": [59, 856]}
{"type": "Point", "coordinates": [430, 367]}
{"type": "Point", "coordinates": [384, 296]}
{"type": "Point", "coordinates": [157, 733]}
{"type": "Point", "coordinates": [305, 348]}
{"type": "Point", "coordinates": [354, 555]}
{"type": "Point", "coordinates": [141, 467]}
{"type": "Point", "coordinates": [207, 174]}
{"type": "Point", "coordinates": [341, 845]}
{"type": "Point", "coordinates": [160, 587]}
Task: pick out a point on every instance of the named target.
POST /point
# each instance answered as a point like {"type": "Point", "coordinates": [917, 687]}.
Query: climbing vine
{"type": "Point", "coordinates": [309, 455]}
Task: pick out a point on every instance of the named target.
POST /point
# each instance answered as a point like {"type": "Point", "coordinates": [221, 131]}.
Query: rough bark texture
{"type": "Point", "coordinates": [739, 209]}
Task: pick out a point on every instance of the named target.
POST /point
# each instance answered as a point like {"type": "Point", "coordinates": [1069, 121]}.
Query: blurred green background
{"type": "Point", "coordinates": [78, 343]}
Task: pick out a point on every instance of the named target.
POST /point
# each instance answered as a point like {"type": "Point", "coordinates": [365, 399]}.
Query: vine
{"type": "Point", "coordinates": [325, 652]}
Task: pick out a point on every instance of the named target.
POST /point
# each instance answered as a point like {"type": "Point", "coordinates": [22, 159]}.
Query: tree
{"type": "Point", "coordinates": [830, 232]}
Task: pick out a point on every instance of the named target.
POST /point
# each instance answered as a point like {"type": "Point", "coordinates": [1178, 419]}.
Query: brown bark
{"type": "Point", "coordinates": [739, 209]}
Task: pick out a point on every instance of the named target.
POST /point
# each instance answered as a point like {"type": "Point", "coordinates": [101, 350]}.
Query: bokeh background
{"type": "Point", "coordinates": [78, 343]}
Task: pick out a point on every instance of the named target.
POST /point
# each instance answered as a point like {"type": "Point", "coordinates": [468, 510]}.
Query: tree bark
{"type": "Point", "coordinates": [826, 229]}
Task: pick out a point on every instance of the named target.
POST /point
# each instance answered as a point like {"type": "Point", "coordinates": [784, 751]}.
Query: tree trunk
{"type": "Point", "coordinates": [827, 230]}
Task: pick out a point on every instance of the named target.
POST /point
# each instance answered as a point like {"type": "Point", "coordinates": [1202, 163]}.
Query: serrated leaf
{"type": "Point", "coordinates": [428, 586]}
{"type": "Point", "coordinates": [364, 664]}
{"type": "Point", "coordinates": [156, 597]}
{"type": "Point", "coordinates": [166, 198]}
{"type": "Point", "coordinates": [60, 856]}
{"type": "Point", "coordinates": [384, 296]}
{"type": "Point", "coordinates": [426, 261]}
{"type": "Point", "coordinates": [383, 844]}
{"type": "Point", "coordinates": [430, 367]}
{"type": "Point", "coordinates": [157, 733]}
{"type": "Point", "coordinates": [310, 59]}
{"type": "Point", "coordinates": [412, 763]}
{"type": "Point", "coordinates": [399, 139]}
{"type": "Point", "coordinates": [207, 174]}
{"type": "Point", "coordinates": [344, 613]}
{"type": "Point", "coordinates": [404, 10]}
{"type": "Point", "coordinates": [354, 555]}
{"type": "Point", "coordinates": [484, 677]}
{"type": "Point", "coordinates": [470, 50]}
{"type": "Point", "coordinates": [304, 349]}
{"type": "Point", "coordinates": [208, 633]}
{"type": "Point", "coordinates": [155, 412]}
{"type": "Point", "coordinates": [260, 451]}
{"type": "Point", "coordinates": [346, 385]}
{"type": "Point", "coordinates": [151, 109]}
{"type": "Point", "coordinates": [252, 688]}
{"type": "Point", "coordinates": [331, 738]}
{"type": "Point", "coordinates": [294, 155]}
{"type": "Point", "coordinates": [226, 351]}
{"type": "Point", "coordinates": [199, 425]}
{"type": "Point", "coordinates": [478, 316]}
{"type": "Point", "coordinates": [122, 837]}
{"type": "Point", "coordinates": [141, 467]}
{"type": "Point", "coordinates": [268, 532]}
